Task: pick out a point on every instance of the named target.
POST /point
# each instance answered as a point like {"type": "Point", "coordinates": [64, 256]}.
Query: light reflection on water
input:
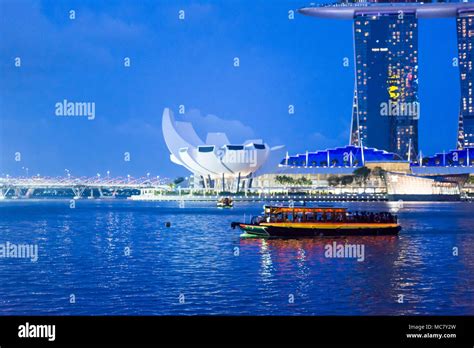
{"type": "Point", "coordinates": [82, 252]}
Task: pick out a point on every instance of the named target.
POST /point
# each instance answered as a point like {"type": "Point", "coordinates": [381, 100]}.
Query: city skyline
{"type": "Point", "coordinates": [283, 62]}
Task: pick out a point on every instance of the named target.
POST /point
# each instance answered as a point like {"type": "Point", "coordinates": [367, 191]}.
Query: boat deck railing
{"type": "Point", "coordinates": [355, 217]}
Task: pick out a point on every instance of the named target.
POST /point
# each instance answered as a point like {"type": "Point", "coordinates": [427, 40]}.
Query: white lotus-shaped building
{"type": "Point", "coordinates": [217, 158]}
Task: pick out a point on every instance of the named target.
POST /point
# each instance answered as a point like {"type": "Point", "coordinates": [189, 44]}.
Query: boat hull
{"type": "Point", "coordinates": [318, 230]}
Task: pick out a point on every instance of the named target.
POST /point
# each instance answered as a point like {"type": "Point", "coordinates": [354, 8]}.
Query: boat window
{"type": "Point", "coordinates": [310, 216]}
{"type": "Point", "coordinates": [290, 217]}
{"type": "Point", "coordinates": [299, 217]}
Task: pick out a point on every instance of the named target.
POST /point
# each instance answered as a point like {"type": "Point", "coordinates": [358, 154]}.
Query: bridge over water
{"type": "Point", "coordinates": [25, 187]}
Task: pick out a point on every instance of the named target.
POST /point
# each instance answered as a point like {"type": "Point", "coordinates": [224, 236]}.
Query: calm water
{"type": "Point", "coordinates": [82, 251]}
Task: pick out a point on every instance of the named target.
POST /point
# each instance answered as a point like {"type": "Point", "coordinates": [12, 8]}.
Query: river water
{"type": "Point", "coordinates": [118, 257]}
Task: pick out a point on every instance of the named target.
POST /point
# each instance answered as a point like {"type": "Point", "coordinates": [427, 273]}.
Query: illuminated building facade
{"type": "Point", "coordinates": [386, 61]}
{"type": "Point", "coordinates": [386, 109]}
{"type": "Point", "coordinates": [465, 31]}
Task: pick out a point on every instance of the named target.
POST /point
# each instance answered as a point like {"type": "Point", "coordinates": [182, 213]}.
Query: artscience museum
{"type": "Point", "coordinates": [218, 163]}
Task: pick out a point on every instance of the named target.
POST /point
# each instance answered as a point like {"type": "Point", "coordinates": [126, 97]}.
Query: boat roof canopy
{"type": "Point", "coordinates": [277, 210]}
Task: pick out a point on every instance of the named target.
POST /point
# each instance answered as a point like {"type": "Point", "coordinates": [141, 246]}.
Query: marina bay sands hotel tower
{"type": "Point", "coordinates": [386, 107]}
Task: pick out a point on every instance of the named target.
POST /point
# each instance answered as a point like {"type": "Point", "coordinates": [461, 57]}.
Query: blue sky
{"type": "Point", "coordinates": [189, 62]}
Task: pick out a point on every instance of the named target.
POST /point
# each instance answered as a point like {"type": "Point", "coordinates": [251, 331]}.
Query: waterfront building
{"type": "Point", "coordinates": [454, 158]}
{"type": "Point", "coordinates": [465, 35]}
{"type": "Point", "coordinates": [386, 109]}
{"type": "Point", "coordinates": [454, 162]}
{"type": "Point", "coordinates": [217, 163]}
{"type": "Point", "coordinates": [317, 168]}
{"type": "Point", "coordinates": [349, 156]}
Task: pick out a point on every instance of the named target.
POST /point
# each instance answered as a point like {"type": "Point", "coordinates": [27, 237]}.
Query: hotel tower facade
{"type": "Point", "coordinates": [386, 108]}
{"type": "Point", "coordinates": [465, 32]}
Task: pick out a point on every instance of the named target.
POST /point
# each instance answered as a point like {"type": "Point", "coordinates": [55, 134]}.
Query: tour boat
{"type": "Point", "coordinates": [318, 221]}
{"type": "Point", "coordinates": [225, 203]}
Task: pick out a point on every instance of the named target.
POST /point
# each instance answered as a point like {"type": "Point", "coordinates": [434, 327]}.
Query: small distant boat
{"type": "Point", "coordinates": [289, 222]}
{"type": "Point", "coordinates": [225, 202]}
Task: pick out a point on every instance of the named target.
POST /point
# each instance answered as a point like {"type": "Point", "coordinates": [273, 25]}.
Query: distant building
{"type": "Point", "coordinates": [465, 30]}
{"type": "Point", "coordinates": [316, 168]}
{"type": "Point", "coordinates": [386, 108]}
{"type": "Point", "coordinates": [217, 163]}
{"type": "Point", "coordinates": [454, 158]}
{"type": "Point", "coordinates": [350, 157]}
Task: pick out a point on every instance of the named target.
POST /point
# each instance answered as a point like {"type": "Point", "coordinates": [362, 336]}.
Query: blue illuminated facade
{"type": "Point", "coordinates": [348, 156]}
{"type": "Point", "coordinates": [453, 158]}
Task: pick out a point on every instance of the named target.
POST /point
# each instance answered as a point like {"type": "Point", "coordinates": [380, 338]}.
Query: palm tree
{"type": "Point", "coordinates": [380, 173]}
{"type": "Point", "coordinates": [361, 174]}
{"type": "Point", "coordinates": [347, 180]}
{"type": "Point", "coordinates": [284, 180]}
{"type": "Point", "coordinates": [333, 180]}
